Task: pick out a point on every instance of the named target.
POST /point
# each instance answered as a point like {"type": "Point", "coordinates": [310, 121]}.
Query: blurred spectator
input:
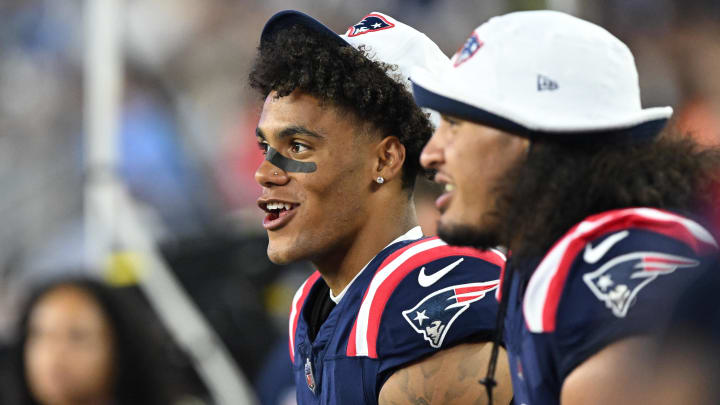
{"type": "Point", "coordinates": [153, 161]}
{"type": "Point", "coordinates": [82, 342]}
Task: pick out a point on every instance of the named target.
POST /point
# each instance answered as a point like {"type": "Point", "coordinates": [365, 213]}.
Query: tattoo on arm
{"type": "Point", "coordinates": [448, 377]}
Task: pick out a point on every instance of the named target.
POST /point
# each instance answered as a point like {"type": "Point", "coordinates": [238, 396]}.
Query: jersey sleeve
{"type": "Point", "coordinates": [439, 303]}
{"type": "Point", "coordinates": [609, 286]}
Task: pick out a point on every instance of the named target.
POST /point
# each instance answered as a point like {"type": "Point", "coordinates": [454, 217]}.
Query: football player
{"type": "Point", "coordinates": [390, 316]}
{"type": "Point", "coordinates": [544, 148]}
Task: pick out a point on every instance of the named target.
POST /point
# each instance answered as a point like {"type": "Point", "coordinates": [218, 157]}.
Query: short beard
{"type": "Point", "coordinates": [466, 235]}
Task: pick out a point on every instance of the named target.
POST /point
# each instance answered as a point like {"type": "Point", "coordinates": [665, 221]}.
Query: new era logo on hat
{"type": "Point", "coordinates": [542, 73]}
{"type": "Point", "coordinates": [546, 83]}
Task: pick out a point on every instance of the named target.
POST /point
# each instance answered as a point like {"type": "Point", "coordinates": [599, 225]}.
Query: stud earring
{"type": "Point", "coordinates": [380, 180]}
{"type": "Point", "coordinates": [275, 173]}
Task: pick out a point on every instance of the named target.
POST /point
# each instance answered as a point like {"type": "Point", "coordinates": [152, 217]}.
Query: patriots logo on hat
{"type": "Point", "coordinates": [469, 48]}
{"type": "Point", "coordinates": [433, 316]}
{"type": "Point", "coordinates": [619, 281]}
{"type": "Point", "coordinates": [371, 23]}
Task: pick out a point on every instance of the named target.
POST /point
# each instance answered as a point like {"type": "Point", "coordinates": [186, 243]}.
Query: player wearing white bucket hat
{"type": "Point", "coordinates": [544, 148]}
{"type": "Point", "coordinates": [542, 73]}
{"type": "Point", "coordinates": [390, 316]}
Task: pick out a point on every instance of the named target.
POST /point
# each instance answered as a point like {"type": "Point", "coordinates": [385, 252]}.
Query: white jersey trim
{"type": "Point", "coordinates": [361, 336]}
{"type": "Point", "coordinates": [293, 314]}
{"type": "Point", "coordinates": [412, 234]}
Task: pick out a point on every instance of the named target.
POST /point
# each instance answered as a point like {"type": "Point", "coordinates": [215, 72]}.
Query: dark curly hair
{"type": "Point", "coordinates": [560, 184]}
{"type": "Point", "coordinates": [344, 77]}
{"type": "Point", "coordinates": [142, 376]}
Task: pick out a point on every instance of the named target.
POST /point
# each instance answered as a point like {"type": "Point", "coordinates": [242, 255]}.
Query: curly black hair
{"type": "Point", "coordinates": [560, 184]}
{"type": "Point", "coordinates": [346, 78]}
{"type": "Point", "coordinates": [142, 375]}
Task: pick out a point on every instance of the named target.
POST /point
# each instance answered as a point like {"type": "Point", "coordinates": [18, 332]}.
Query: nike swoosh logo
{"type": "Point", "coordinates": [593, 254]}
{"type": "Point", "coordinates": [427, 281]}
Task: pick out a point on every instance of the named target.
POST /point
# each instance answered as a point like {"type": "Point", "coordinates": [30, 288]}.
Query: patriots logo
{"type": "Point", "coordinates": [371, 23]}
{"type": "Point", "coordinates": [471, 46]}
{"type": "Point", "coordinates": [433, 316]}
{"type": "Point", "coordinates": [619, 281]}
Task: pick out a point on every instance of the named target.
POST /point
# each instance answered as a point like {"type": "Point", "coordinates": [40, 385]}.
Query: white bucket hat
{"type": "Point", "coordinates": [542, 73]}
{"type": "Point", "coordinates": [384, 39]}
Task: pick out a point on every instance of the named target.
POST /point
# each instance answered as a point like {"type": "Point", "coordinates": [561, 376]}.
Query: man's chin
{"type": "Point", "coordinates": [281, 256]}
{"type": "Point", "coordinates": [467, 235]}
{"type": "Point", "coordinates": [279, 260]}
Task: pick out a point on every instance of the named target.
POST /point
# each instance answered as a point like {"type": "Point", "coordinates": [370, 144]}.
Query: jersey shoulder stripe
{"type": "Point", "coordinates": [296, 307]}
{"type": "Point", "coordinates": [545, 287]}
{"type": "Point", "coordinates": [364, 334]}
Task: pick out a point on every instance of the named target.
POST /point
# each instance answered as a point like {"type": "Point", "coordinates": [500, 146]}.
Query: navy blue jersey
{"type": "Point", "coordinates": [416, 297]}
{"type": "Point", "coordinates": [614, 275]}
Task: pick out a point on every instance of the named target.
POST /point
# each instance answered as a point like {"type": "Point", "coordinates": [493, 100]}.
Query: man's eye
{"type": "Point", "coordinates": [298, 147]}
{"type": "Point", "coordinates": [263, 147]}
{"type": "Point", "coordinates": [452, 121]}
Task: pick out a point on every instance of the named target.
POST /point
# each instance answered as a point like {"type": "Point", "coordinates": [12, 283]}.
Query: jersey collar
{"type": "Point", "coordinates": [412, 234]}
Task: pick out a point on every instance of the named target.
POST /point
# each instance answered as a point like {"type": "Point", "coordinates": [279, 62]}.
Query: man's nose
{"type": "Point", "coordinates": [267, 175]}
{"type": "Point", "coordinates": [432, 154]}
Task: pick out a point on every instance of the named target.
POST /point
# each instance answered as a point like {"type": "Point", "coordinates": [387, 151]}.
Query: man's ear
{"type": "Point", "coordinates": [390, 154]}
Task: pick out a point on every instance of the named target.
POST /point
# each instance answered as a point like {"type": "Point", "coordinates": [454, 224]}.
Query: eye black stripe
{"type": "Point", "coordinates": [288, 165]}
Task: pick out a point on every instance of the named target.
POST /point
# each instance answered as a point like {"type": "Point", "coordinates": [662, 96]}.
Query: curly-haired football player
{"type": "Point", "coordinates": [390, 316]}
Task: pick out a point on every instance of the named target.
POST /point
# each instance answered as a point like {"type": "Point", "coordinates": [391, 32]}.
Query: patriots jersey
{"type": "Point", "coordinates": [612, 276]}
{"type": "Point", "coordinates": [416, 297]}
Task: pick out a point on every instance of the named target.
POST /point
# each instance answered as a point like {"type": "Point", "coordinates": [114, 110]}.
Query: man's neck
{"type": "Point", "coordinates": [340, 268]}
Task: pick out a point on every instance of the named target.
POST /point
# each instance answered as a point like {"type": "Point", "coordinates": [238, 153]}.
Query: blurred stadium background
{"type": "Point", "coordinates": [184, 149]}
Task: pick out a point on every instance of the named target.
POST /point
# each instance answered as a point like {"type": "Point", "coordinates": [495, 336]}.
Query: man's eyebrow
{"type": "Point", "coordinates": [295, 130]}
{"type": "Point", "coordinates": [289, 131]}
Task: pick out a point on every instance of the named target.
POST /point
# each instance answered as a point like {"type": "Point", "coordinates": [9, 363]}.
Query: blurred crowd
{"type": "Point", "coordinates": [188, 154]}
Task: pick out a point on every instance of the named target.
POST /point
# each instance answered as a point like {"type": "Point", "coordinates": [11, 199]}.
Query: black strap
{"type": "Point", "coordinates": [489, 381]}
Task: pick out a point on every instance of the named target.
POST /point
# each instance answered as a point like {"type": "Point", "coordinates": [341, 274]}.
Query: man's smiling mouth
{"type": "Point", "coordinates": [278, 212]}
